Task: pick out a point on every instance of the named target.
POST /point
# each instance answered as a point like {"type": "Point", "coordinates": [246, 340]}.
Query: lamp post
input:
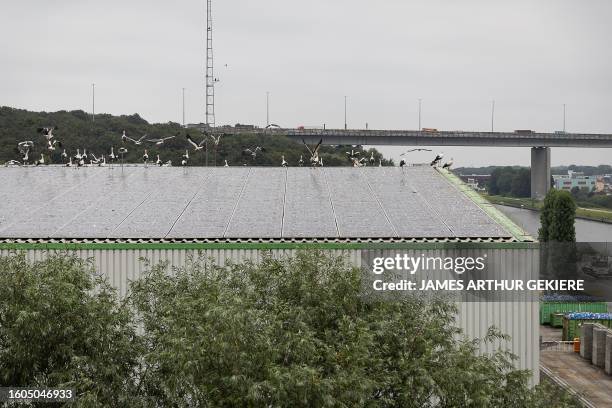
{"type": "Point", "coordinates": [345, 126]}
{"type": "Point", "coordinates": [563, 117]}
{"type": "Point", "coordinates": [267, 109]}
{"type": "Point", "coordinates": [93, 102]}
{"type": "Point", "coordinates": [420, 114]}
{"type": "Point", "coordinates": [183, 107]}
{"type": "Point", "coordinates": [492, 115]}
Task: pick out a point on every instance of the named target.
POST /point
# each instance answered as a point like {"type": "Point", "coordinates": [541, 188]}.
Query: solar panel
{"type": "Point", "coordinates": [308, 207]}
{"type": "Point", "coordinates": [236, 202]}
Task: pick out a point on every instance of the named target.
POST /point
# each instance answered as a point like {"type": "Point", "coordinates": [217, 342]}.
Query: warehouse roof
{"type": "Point", "coordinates": [237, 203]}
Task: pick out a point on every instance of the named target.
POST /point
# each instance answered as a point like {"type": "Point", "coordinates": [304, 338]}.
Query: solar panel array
{"type": "Point", "coordinates": [237, 202]}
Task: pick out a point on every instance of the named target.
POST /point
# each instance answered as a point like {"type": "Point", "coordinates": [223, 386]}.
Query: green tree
{"type": "Point", "coordinates": [521, 183]}
{"type": "Point", "coordinates": [62, 326]}
{"type": "Point", "coordinates": [562, 228]}
{"type": "Point", "coordinates": [492, 187]}
{"type": "Point", "coordinates": [546, 215]}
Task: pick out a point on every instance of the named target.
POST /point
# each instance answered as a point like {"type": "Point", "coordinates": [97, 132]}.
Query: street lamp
{"type": "Point", "coordinates": [419, 114]}
{"type": "Point", "coordinates": [492, 114]}
{"type": "Point", "coordinates": [93, 102]}
{"type": "Point", "coordinates": [183, 107]}
{"type": "Point", "coordinates": [267, 109]}
{"type": "Point", "coordinates": [345, 127]}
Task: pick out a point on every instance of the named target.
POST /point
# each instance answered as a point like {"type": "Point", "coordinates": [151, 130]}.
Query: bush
{"type": "Point", "coordinates": [291, 332]}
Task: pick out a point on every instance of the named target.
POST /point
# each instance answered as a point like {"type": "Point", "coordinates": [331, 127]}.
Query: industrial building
{"type": "Point", "coordinates": [575, 179]}
{"type": "Point", "coordinates": [118, 216]}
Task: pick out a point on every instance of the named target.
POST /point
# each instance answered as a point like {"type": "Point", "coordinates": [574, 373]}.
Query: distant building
{"type": "Point", "coordinates": [473, 183]}
{"type": "Point", "coordinates": [605, 184]}
{"type": "Point", "coordinates": [574, 179]}
{"type": "Point", "coordinates": [202, 127]}
{"type": "Point", "coordinates": [477, 182]}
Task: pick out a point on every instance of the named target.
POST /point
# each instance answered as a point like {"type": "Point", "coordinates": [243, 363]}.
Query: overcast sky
{"type": "Point", "coordinates": [530, 56]}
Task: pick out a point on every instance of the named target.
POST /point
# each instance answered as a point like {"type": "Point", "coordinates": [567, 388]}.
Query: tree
{"type": "Point", "coordinates": [563, 216]}
{"type": "Point", "coordinates": [557, 232]}
{"type": "Point", "coordinates": [492, 185]}
{"type": "Point", "coordinates": [62, 327]}
{"type": "Point", "coordinates": [521, 183]}
{"type": "Point", "coordinates": [546, 216]}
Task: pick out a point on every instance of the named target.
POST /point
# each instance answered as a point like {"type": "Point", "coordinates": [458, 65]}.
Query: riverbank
{"type": "Point", "coordinates": [591, 214]}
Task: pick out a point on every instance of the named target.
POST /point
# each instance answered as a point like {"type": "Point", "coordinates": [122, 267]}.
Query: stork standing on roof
{"type": "Point", "coordinates": [283, 161]}
{"type": "Point", "coordinates": [40, 161]}
{"type": "Point", "coordinates": [24, 149]}
{"type": "Point", "coordinates": [372, 159]}
{"type": "Point", "coordinates": [437, 159]}
{"type": "Point", "coordinates": [112, 156]}
{"type": "Point", "coordinates": [185, 158]}
{"type": "Point", "coordinates": [145, 158]}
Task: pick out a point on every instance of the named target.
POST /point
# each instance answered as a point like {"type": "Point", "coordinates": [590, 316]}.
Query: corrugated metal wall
{"type": "Point", "coordinates": [517, 319]}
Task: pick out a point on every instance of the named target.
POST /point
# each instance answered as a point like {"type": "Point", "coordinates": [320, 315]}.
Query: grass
{"type": "Point", "coordinates": [597, 214]}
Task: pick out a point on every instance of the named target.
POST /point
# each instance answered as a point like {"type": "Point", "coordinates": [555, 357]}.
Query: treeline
{"type": "Point", "coordinates": [586, 198]}
{"type": "Point", "coordinates": [512, 181]}
{"type": "Point", "coordinates": [76, 130]}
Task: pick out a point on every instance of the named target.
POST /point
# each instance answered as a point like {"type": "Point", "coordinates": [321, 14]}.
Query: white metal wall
{"type": "Point", "coordinates": [517, 319]}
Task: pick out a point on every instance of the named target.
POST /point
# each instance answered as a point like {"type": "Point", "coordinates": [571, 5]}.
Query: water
{"type": "Point", "coordinates": [586, 231]}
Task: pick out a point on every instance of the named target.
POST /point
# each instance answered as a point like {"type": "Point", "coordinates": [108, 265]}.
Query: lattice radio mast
{"type": "Point", "coordinates": [210, 77]}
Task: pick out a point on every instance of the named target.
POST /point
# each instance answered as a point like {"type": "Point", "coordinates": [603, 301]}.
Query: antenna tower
{"type": "Point", "coordinates": [210, 77]}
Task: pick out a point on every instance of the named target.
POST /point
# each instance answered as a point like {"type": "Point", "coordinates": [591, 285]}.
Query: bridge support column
{"type": "Point", "coordinates": [540, 172]}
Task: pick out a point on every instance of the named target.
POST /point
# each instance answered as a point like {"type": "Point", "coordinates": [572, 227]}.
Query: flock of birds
{"type": "Point", "coordinates": [86, 158]}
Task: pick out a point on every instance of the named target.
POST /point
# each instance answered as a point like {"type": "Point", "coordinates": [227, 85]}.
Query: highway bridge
{"type": "Point", "coordinates": [449, 138]}
{"type": "Point", "coordinates": [540, 143]}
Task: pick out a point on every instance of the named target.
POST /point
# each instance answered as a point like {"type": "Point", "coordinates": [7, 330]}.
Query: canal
{"type": "Point", "coordinates": [586, 231]}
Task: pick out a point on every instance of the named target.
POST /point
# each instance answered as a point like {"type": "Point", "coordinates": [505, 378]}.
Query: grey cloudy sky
{"type": "Point", "coordinates": [531, 56]}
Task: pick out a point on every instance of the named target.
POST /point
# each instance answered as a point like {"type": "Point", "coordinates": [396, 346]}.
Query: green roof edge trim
{"type": "Point", "coordinates": [265, 246]}
{"type": "Point", "coordinates": [517, 232]}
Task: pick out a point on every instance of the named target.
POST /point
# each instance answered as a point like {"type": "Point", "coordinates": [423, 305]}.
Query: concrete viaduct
{"type": "Point", "coordinates": [540, 143]}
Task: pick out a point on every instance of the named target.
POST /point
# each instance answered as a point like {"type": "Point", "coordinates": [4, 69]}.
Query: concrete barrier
{"type": "Point", "coordinates": [599, 345]}
{"type": "Point", "coordinates": [586, 341]}
{"type": "Point", "coordinates": [608, 364]}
